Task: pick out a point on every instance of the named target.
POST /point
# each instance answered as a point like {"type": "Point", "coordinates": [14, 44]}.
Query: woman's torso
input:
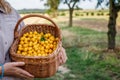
{"type": "Point", "coordinates": [7, 25]}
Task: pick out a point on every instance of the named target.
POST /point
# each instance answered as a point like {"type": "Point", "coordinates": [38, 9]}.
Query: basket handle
{"type": "Point", "coordinates": [32, 15]}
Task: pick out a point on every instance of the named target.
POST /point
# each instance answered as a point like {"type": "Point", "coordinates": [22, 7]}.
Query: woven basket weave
{"type": "Point", "coordinates": [40, 67]}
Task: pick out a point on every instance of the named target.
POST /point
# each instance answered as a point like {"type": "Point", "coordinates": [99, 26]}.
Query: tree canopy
{"type": "Point", "coordinates": [53, 6]}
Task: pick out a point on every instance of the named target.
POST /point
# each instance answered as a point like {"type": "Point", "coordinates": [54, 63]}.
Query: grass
{"type": "Point", "coordinates": [89, 62]}
{"type": "Point", "coordinates": [88, 37]}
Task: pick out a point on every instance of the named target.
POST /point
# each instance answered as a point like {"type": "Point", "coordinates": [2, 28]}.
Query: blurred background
{"type": "Point", "coordinates": [90, 34]}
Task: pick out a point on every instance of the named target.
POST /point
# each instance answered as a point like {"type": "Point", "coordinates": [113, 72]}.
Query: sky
{"type": "Point", "coordinates": [31, 4]}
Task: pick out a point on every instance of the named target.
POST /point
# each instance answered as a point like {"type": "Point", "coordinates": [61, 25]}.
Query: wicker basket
{"type": "Point", "coordinates": [40, 67]}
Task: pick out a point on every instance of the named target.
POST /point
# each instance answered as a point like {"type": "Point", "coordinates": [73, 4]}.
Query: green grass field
{"type": "Point", "coordinates": [88, 60]}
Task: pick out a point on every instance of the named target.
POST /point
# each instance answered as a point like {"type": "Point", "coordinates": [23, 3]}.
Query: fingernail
{"type": "Point", "coordinates": [22, 63]}
{"type": "Point", "coordinates": [32, 76]}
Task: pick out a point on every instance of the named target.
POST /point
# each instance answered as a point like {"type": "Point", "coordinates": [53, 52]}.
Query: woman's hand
{"type": "Point", "coordinates": [62, 56]}
{"type": "Point", "coordinates": [12, 69]}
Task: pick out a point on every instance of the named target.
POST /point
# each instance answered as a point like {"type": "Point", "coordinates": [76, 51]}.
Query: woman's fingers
{"type": "Point", "coordinates": [23, 76]}
{"type": "Point", "coordinates": [17, 64]}
{"type": "Point", "coordinates": [24, 73]}
{"type": "Point", "coordinates": [12, 69]}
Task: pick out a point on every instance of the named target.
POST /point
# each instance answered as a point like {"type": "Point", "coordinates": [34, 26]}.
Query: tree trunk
{"type": "Point", "coordinates": [112, 26]}
{"type": "Point", "coordinates": [54, 13]}
{"type": "Point", "coordinates": [70, 17]}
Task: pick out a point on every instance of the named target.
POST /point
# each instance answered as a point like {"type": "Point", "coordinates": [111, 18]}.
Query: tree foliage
{"type": "Point", "coordinates": [107, 3]}
{"type": "Point", "coordinates": [53, 6]}
{"type": "Point", "coordinates": [71, 3]}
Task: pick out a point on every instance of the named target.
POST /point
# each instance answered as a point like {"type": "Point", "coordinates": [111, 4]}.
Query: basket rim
{"type": "Point", "coordinates": [36, 25]}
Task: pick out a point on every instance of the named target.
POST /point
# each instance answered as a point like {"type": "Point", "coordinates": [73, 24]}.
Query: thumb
{"type": "Point", "coordinates": [17, 63]}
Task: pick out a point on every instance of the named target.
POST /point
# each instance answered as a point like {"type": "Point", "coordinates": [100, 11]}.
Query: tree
{"type": "Point", "coordinates": [53, 6]}
{"type": "Point", "coordinates": [71, 4]}
{"type": "Point", "coordinates": [114, 7]}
